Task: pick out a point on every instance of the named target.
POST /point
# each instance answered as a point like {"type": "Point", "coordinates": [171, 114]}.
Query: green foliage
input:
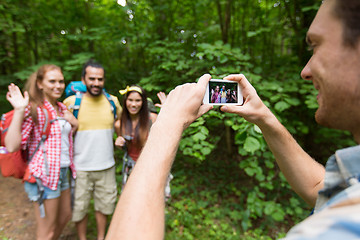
{"type": "Point", "coordinates": [73, 66]}
{"type": "Point", "coordinates": [217, 207]}
{"type": "Point", "coordinates": [196, 141]}
{"type": "Point", "coordinates": [24, 74]}
{"type": "Point", "coordinates": [227, 184]}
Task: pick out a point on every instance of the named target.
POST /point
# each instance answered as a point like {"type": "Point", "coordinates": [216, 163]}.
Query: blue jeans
{"type": "Point", "coordinates": [33, 192]}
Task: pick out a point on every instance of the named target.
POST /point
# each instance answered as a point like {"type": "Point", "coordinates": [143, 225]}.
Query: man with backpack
{"type": "Point", "coordinates": [94, 161]}
{"type": "Point", "coordinates": [334, 36]}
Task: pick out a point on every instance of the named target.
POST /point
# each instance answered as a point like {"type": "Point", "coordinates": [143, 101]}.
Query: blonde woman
{"type": "Point", "coordinates": [51, 170]}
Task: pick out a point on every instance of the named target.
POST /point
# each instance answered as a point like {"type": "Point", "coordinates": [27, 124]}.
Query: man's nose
{"type": "Point", "coordinates": [96, 82]}
{"type": "Point", "coordinates": [306, 72]}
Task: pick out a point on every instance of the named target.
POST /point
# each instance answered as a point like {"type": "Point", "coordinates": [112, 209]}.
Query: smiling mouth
{"type": "Point", "coordinates": [316, 86]}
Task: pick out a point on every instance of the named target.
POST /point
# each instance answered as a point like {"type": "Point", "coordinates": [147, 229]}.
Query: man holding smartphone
{"type": "Point", "coordinates": [334, 70]}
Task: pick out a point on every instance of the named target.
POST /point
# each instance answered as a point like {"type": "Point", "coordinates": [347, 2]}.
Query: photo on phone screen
{"type": "Point", "coordinates": [223, 92]}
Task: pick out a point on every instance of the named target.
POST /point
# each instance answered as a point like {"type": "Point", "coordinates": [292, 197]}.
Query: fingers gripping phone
{"type": "Point", "coordinates": [223, 92]}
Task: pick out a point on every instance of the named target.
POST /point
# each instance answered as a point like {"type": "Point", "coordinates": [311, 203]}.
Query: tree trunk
{"type": "Point", "coordinates": [224, 23]}
{"type": "Point", "coordinates": [15, 47]}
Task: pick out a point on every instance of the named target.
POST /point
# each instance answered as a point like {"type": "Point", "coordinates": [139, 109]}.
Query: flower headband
{"type": "Point", "coordinates": [130, 89]}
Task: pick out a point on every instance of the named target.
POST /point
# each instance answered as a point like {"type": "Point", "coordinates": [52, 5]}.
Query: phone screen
{"type": "Point", "coordinates": [223, 92]}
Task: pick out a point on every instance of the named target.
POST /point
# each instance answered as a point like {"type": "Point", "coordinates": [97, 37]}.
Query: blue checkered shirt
{"type": "Point", "coordinates": [337, 210]}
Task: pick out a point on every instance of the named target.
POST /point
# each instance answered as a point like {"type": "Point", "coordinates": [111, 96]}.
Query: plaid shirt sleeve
{"type": "Point", "coordinates": [26, 129]}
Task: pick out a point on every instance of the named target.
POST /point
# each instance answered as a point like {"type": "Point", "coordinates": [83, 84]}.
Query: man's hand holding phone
{"type": "Point", "coordinates": [252, 109]}
{"type": "Point", "coordinates": [184, 104]}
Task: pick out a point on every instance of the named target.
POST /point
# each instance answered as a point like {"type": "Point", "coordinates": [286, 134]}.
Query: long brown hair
{"type": "Point", "coordinates": [36, 95]}
{"type": "Point", "coordinates": [142, 129]}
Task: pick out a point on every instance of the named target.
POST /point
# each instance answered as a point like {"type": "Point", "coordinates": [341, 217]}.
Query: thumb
{"type": "Point", "coordinates": [26, 95]}
{"type": "Point", "coordinates": [231, 109]}
{"type": "Point", "coordinates": [8, 96]}
{"type": "Point", "coordinates": [204, 109]}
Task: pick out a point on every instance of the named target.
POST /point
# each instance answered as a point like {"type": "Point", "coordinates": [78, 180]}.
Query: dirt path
{"type": "Point", "coordinates": [17, 221]}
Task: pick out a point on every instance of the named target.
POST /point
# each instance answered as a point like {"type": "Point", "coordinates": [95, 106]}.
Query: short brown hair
{"type": "Point", "coordinates": [348, 11]}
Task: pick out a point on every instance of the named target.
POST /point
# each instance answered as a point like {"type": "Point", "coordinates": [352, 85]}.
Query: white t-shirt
{"type": "Point", "coordinates": [65, 127]}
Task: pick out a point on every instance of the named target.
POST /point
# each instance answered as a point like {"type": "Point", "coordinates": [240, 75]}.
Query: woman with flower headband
{"type": "Point", "coordinates": [135, 122]}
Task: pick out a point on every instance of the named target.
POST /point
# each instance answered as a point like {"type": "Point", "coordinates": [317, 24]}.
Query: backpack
{"type": "Point", "coordinates": [73, 87]}
{"type": "Point", "coordinates": [15, 164]}
{"type": "Point", "coordinates": [78, 88]}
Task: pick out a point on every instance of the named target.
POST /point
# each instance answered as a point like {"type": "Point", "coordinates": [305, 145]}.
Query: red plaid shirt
{"type": "Point", "coordinates": [31, 136]}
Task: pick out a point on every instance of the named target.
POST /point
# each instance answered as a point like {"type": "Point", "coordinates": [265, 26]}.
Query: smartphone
{"type": "Point", "coordinates": [223, 92]}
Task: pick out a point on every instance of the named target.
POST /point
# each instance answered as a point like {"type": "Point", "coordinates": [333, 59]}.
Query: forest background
{"type": "Point", "coordinates": [226, 183]}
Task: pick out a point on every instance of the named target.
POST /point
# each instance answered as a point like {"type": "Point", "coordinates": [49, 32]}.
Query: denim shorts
{"type": "Point", "coordinates": [33, 192]}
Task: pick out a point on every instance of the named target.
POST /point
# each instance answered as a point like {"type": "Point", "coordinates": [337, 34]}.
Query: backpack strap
{"type": "Point", "coordinates": [45, 132]}
{"type": "Point", "coordinates": [1, 127]}
{"type": "Point", "coordinates": [78, 98]}
{"type": "Point", "coordinates": [44, 135]}
{"type": "Point", "coordinates": [113, 106]}
{"type": "Point", "coordinates": [40, 200]}
{"type": "Point", "coordinates": [76, 107]}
